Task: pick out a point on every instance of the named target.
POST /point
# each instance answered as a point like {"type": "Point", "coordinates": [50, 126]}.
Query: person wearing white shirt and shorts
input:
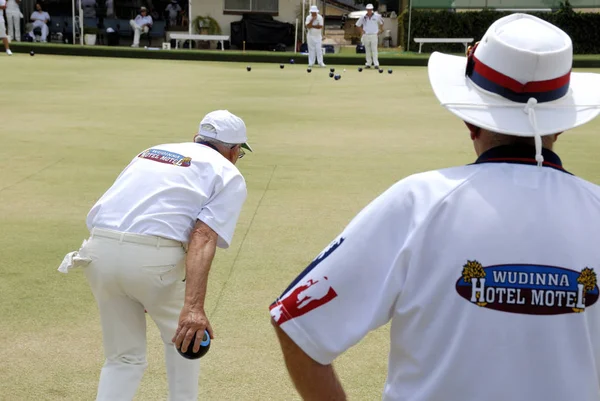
{"type": "Point", "coordinates": [13, 16]}
{"type": "Point", "coordinates": [314, 37]}
{"type": "Point", "coordinates": [487, 272]}
{"type": "Point", "coordinates": [40, 20]}
{"type": "Point", "coordinates": [370, 26]}
{"type": "Point", "coordinates": [141, 23]}
{"type": "Point", "coordinates": [3, 28]}
{"type": "Point", "coordinates": [173, 10]}
{"type": "Point", "coordinates": [153, 236]}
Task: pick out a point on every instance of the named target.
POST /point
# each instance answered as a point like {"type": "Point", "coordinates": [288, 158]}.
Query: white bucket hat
{"type": "Point", "coordinates": [517, 80]}
{"type": "Point", "coordinates": [369, 6]}
{"type": "Point", "coordinates": [314, 9]}
{"type": "Point", "coordinates": [225, 127]}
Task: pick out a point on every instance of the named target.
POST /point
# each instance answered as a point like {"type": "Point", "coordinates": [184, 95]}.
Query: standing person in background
{"type": "Point", "coordinates": [13, 16]}
{"type": "Point", "coordinates": [173, 10]}
{"type": "Point", "coordinates": [110, 8]}
{"type": "Point", "coordinates": [314, 37]}
{"type": "Point", "coordinates": [370, 25]}
{"type": "Point", "coordinates": [3, 28]}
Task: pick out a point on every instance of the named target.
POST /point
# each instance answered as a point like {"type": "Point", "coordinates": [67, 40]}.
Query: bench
{"type": "Point", "coordinates": [186, 36]}
{"type": "Point", "coordinates": [464, 41]}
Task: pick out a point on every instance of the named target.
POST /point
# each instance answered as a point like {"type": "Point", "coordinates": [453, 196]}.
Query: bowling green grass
{"type": "Point", "coordinates": [323, 150]}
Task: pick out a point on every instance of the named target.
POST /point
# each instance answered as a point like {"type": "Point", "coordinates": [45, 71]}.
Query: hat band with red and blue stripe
{"type": "Point", "coordinates": [493, 81]}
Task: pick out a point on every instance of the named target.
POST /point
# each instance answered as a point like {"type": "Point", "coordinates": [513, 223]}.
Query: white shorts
{"type": "Point", "coordinates": [2, 28]}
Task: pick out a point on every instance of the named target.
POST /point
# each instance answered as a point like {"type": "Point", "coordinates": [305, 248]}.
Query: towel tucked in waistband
{"type": "Point", "coordinates": [73, 260]}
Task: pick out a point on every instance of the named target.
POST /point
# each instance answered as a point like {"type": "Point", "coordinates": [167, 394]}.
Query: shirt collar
{"type": "Point", "coordinates": [520, 154]}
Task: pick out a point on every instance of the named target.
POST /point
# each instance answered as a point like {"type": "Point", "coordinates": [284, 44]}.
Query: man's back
{"type": "Point", "coordinates": [166, 188]}
{"type": "Point", "coordinates": [495, 298]}
{"type": "Point", "coordinates": [484, 271]}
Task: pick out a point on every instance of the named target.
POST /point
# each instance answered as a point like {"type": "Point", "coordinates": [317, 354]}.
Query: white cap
{"type": "Point", "coordinates": [369, 6]}
{"type": "Point", "coordinates": [225, 127]}
{"type": "Point", "coordinates": [314, 9]}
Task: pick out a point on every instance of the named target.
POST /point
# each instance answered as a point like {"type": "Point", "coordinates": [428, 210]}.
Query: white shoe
{"type": "Point", "coordinates": [135, 45]}
{"type": "Point", "coordinates": [322, 65]}
{"type": "Point", "coordinates": [9, 52]}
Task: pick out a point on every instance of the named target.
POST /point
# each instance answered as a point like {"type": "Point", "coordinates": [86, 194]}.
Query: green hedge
{"type": "Point", "coordinates": [584, 28]}
{"type": "Point", "coordinates": [211, 55]}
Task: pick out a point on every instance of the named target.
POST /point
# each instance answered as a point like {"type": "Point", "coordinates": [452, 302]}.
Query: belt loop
{"type": "Point", "coordinates": [121, 239]}
{"type": "Point", "coordinates": [157, 242]}
{"type": "Point", "coordinates": [92, 233]}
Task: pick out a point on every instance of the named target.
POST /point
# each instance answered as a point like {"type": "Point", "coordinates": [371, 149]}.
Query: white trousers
{"type": "Point", "coordinates": [315, 49]}
{"type": "Point", "coordinates": [127, 278]}
{"type": "Point", "coordinates": [370, 41]}
{"type": "Point", "coordinates": [13, 20]}
{"type": "Point", "coordinates": [45, 30]}
{"type": "Point", "coordinates": [137, 32]}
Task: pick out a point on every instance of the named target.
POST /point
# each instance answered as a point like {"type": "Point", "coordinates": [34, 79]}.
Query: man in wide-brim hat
{"type": "Point", "coordinates": [487, 272]}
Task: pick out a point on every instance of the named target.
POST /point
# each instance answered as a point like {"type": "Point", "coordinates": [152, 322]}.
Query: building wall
{"type": "Point", "coordinates": [332, 10]}
{"type": "Point", "coordinates": [214, 8]}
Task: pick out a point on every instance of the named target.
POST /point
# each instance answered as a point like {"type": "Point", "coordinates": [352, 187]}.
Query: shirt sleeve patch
{"type": "Point", "coordinates": [306, 297]}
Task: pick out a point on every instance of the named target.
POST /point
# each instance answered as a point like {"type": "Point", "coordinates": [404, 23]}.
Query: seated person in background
{"type": "Point", "coordinates": [173, 9]}
{"type": "Point", "coordinates": [40, 19]}
{"type": "Point", "coordinates": [142, 23]}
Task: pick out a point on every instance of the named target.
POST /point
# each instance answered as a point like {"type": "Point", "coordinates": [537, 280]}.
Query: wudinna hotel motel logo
{"type": "Point", "coordinates": [528, 289]}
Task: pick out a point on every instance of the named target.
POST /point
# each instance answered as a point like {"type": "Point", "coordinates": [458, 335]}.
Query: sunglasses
{"type": "Point", "coordinates": [242, 153]}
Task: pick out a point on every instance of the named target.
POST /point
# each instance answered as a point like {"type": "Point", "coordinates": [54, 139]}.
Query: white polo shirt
{"type": "Point", "coordinates": [40, 16]}
{"type": "Point", "coordinates": [370, 24]}
{"type": "Point", "coordinates": [484, 272]}
{"type": "Point", "coordinates": [315, 32]}
{"type": "Point", "coordinates": [173, 9]}
{"type": "Point", "coordinates": [12, 6]}
{"type": "Point", "coordinates": [147, 20]}
{"type": "Point", "coordinates": [167, 187]}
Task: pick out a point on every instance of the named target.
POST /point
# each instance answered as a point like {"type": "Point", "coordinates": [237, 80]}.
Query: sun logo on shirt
{"type": "Point", "coordinates": [587, 278]}
{"type": "Point", "coordinates": [185, 162]}
{"type": "Point", "coordinates": [473, 270]}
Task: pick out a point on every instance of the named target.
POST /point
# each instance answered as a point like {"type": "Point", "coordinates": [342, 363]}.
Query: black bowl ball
{"type": "Point", "coordinates": [381, 71]}
{"type": "Point", "coordinates": [389, 71]}
{"type": "Point", "coordinates": [204, 347]}
{"type": "Point", "coordinates": [331, 75]}
{"type": "Point", "coordinates": [308, 70]}
{"type": "Point", "coordinates": [248, 68]}
{"type": "Point", "coordinates": [281, 66]}
{"type": "Point", "coordinates": [32, 53]}
{"type": "Point", "coordinates": [332, 69]}
{"type": "Point", "coordinates": [359, 69]}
